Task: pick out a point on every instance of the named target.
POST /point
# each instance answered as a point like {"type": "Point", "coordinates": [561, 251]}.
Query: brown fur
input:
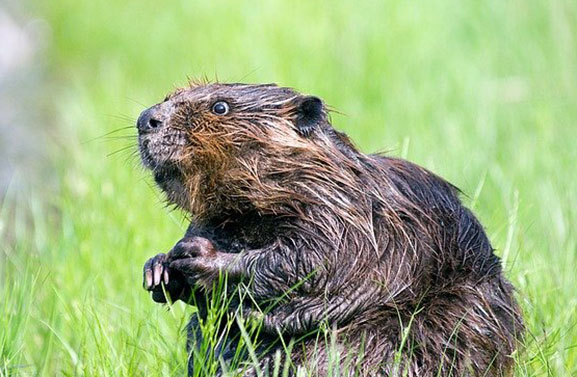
{"type": "Point", "coordinates": [377, 248]}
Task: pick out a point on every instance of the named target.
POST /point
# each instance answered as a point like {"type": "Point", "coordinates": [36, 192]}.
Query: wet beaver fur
{"type": "Point", "coordinates": [376, 248]}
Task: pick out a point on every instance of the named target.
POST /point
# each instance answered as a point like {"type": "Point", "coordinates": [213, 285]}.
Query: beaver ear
{"type": "Point", "coordinates": [310, 114]}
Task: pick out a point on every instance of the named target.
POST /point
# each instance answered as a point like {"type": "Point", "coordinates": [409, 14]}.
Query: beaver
{"type": "Point", "coordinates": [377, 249]}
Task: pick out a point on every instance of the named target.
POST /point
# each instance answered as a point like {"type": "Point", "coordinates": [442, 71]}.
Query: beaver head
{"type": "Point", "coordinates": [237, 144]}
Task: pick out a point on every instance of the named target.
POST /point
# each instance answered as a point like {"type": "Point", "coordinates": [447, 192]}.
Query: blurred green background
{"type": "Point", "coordinates": [482, 93]}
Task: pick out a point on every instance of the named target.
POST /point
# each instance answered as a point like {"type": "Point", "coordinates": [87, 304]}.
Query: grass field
{"type": "Point", "coordinates": [482, 93]}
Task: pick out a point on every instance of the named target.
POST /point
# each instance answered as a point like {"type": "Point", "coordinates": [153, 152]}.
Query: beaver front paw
{"type": "Point", "coordinates": [159, 279]}
{"type": "Point", "coordinates": [198, 260]}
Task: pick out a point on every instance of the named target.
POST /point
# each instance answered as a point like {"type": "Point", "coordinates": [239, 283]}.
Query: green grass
{"type": "Point", "coordinates": [483, 93]}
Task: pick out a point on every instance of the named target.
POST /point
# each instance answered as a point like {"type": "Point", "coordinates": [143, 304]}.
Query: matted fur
{"type": "Point", "coordinates": [377, 248]}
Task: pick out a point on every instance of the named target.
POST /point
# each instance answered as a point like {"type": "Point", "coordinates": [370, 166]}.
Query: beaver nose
{"type": "Point", "coordinates": [148, 120]}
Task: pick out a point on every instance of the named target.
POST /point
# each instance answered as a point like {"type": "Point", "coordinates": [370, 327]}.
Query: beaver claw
{"type": "Point", "coordinates": [155, 269]}
{"type": "Point", "coordinates": [159, 279]}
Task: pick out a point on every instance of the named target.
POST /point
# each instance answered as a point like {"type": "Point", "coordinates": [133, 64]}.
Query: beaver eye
{"type": "Point", "coordinates": [220, 108]}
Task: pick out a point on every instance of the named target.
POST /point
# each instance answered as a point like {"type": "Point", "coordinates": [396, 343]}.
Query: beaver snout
{"type": "Point", "coordinates": [160, 143]}
{"type": "Point", "coordinates": [150, 120]}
